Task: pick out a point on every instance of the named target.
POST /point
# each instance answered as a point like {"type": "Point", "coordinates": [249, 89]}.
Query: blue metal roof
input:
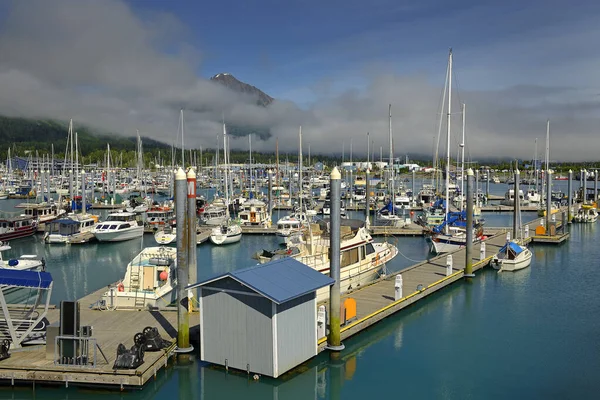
{"type": "Point", "coordinates": [280, 281]}
{"type": "Point", "coordinates": [28, 279]}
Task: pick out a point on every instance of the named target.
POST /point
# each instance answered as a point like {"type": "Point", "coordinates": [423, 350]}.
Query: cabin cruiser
{"type": "Point", "coordinates": [118, 227]}
{"type": "Point", "coordinates": [149, 281]}
{"type": "Point", "coordinates": [214, 215]}
{"type": "Point", "coordinates": [254, 213]}
{"type": "Point", "coordinates": [64, 230]}
{"type": "Point", "coordinates": [362, 259]}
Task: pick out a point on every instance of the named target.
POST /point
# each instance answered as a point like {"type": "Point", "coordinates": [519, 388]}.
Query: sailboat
{"type": "Point", "coordinates": [453, 237]}
{"type": "Point", "coordinates": [229, 231]}
{"type": "Point", "coordinates": [388, 214]}
{"type": "Point", "coordinates": [513, 256]}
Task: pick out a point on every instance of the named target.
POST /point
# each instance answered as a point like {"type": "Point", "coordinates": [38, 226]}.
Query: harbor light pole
{"type": "Point", "coordinates": [334, 340]}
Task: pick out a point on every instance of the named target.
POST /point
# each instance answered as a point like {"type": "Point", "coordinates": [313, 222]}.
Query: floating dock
{"type": "Point", "coordinates": [34, 364]}
{"type": "Point", "coordinates": [377, 300]}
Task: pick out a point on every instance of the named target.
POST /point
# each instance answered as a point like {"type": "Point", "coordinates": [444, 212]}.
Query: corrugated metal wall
{"type": "Point", "coordinates": [296, 332]}
{"type": "Point", "coordinates": [237, 328]}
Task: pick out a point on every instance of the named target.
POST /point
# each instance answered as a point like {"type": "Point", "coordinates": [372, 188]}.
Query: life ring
{"type": "Point", "coordinates": [121, 287]}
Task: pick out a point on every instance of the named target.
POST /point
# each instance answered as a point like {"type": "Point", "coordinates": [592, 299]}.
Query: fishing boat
{"type": "Point", "coordinates": [512, 257]}
{"type": "Point", "coordinates": [26, 262]}
{"type": "Point", "coordinates": [586, 213]}
{"type": "Point", "coordinates": [149, 281]}
{"type": "Point", "coordinates": [362, 259]}
{"type": "Point", "coordinates": [17, 227]}
{"type": "Point", "coordinates": [74, 227]}
{"type": "Point", "coordinates": [118, 227]}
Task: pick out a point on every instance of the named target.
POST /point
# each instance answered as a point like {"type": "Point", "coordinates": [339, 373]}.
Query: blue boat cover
{"type": "Point", "coordinates": [67, 221]}
{"type": "Point", "coordinates": [513, 246]}
{"type": "Point", "coordinates": [279, 281]}
{"type": "Point", "coordinates": [28, 279]}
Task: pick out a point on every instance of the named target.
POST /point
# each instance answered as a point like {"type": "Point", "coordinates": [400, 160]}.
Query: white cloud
{"type": "Point", "coordinates": [100, 63]}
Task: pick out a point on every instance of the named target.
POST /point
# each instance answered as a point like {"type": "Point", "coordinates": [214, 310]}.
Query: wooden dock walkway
{"type": "Point", "coordinates": [376, 301]}
{"type": "Point", "coordinates": [110, 328]}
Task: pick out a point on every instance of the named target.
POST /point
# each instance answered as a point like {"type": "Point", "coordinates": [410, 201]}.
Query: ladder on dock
{"type": "Point", "coordinates": [134, 285]}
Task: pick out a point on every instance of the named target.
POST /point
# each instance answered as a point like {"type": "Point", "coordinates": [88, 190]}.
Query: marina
{"type": "Point", "coordinates": [374, 303]}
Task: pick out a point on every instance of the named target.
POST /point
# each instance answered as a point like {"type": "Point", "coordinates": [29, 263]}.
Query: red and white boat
{"type": "Point", "coordinates": [17, 227]}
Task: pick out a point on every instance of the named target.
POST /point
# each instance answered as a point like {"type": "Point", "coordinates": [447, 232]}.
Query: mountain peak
{"type": "Point", "coordinates": [232, 83]}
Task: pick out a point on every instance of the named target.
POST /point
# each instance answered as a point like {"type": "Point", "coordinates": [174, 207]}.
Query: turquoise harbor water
{"type": "Point", "coordinates": [530, 334]}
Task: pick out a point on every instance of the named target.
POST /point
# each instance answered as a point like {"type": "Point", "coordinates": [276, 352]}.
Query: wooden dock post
{"type": "Point", "coordinates": [334, 340]}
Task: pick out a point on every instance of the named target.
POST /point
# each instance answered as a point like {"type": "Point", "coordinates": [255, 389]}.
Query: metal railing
{"type": "Point", "coordinates": [79, 348]}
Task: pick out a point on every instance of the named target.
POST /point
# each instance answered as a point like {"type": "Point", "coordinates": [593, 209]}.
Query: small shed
{"type": "Point", "coordinates": [261, 319]}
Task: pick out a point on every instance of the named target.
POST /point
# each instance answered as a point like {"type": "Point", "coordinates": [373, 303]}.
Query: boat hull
{"type": "Point", "coordinates": [521, 262]}
{"type": "Point", "coordinates": [120, 235]}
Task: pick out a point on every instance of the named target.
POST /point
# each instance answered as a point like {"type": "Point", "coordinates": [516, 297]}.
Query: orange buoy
{"type": "Point", "coordinates": [163, 276]}
{"type": "Point", "coordinates": [120, 287]}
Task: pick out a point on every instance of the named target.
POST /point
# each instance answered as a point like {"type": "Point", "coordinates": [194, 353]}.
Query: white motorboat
{"type": "Point", "coordinates": [362, 259]}
{"type": "Point", "coordinates": [292, 225]}
{"type": "Point", "coordinates": [118, 227]}
{"type": "Point", "coordinates": [73, 225]}
{"type": "Point", "coordinates": [167, 235]}
{"type": "Point", "coordinates": [149, 281]}
{"type": "Point", "coordinates": [26, 262]}
{"type": "Point", "coordinates": [509, 198]}
{"type": "Point", "coordinates": [214, 215]}
{"type": "Point", "coordinates": [512, 257]}
{"type": "Point", "coordinates": [226, 233]}
{"type": "Point", "coordinates": [455, 239]}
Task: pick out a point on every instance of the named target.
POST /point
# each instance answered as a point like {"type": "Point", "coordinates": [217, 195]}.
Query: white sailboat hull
{"type": "Point", "coordinates": [523, 260]}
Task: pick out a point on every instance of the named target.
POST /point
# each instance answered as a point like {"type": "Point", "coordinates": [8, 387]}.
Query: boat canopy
{"type": "Point", "coordinates": [511, 246]}
{"type": "Point", "coordinates": [26, 279]}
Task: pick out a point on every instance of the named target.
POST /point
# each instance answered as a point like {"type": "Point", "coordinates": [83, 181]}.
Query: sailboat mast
{"type": "Point", "coordinates": [547, 145]}
{"type": "Point", "coordinates": [300, 168]}
{"type": "Point", "coordinates": [225, 162]}
{"type": "Point", "coordinates": [462, 157]}
{"type": "Point", "coordinates": [391, 161]}
{"type": "Point", "coordinates": [448, 139]}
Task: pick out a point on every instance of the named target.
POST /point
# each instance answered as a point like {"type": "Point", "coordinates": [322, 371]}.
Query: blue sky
{"type": "Point", "coordinates": [333, 66]}
{"type": "Point", "coordinates": [283, 46]}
